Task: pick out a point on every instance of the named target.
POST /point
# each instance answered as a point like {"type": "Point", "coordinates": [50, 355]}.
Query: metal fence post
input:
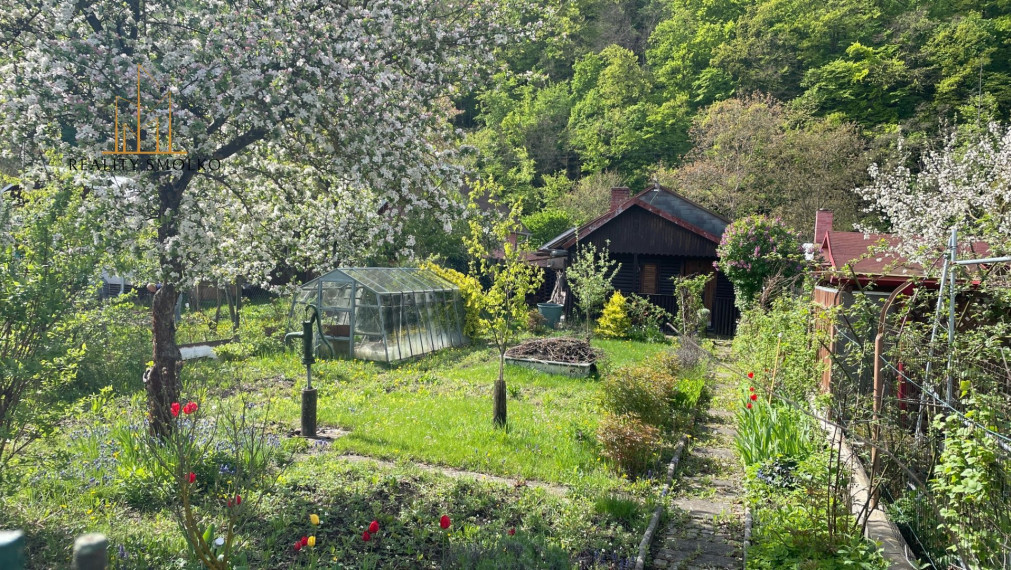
{"type": "Point", "coordinates": [12, 549]}
{"type": "Point", "coordinates": [91, 552]}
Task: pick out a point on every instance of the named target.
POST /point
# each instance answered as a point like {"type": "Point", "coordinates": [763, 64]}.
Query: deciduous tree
{"type": "Point", "coordinates": [315, 113]}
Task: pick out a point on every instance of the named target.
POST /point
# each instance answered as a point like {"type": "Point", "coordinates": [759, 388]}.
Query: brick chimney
{"type": "Point", "coordinates": [619, 195]}
{"type": "Point", "coordinates": [822, 225]}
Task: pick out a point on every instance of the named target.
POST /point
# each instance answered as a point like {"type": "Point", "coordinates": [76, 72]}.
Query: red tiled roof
{"type": "Point", "coordinates": [874, 255]}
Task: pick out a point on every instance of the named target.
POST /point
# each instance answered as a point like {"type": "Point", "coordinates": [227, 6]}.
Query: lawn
{"type": "Point", "coordinates": [436, 412]}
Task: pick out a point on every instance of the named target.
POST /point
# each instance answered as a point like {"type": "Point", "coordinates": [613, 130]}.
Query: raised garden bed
{"type": "Point", "coordinates": [568, 356]}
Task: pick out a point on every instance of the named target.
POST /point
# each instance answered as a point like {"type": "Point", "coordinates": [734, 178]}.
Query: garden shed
{"type": "Point", "coordinates": [385, 314]}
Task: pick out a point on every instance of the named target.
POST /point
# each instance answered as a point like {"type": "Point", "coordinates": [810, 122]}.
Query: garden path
{"type": "Point", "coordinates": [706, 529]}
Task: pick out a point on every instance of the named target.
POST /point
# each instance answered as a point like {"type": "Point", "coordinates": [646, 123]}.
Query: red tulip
{"type": "Point", "coordinates": [238, 500]}
{"type": "Point", "coordinates": [754, 397]}
{"type": "Point", "coordinates": [749, 405]}
{"type": "Point", "coordinates": [192, 477]}
{"type": "Point", "coordinates": [511, 531]}
{"type": "Point", "coordinates": [305, 541]}
{"type": "Point", "coordinates": [444, 521]}
{"type": "Point", "coordinates": [751, 374]}
{"type": "Point", "coordinates": [175, 409]}
{"type": "Point", "coordinates": [751, 388]}
{"type": "Point", "coordinates": [229, 503]}
{"type": "Point", "coordinates": [374, 527]}
{"type": "Point", "coordinates": [189, 408]}
{"type": "Point", "coordinates": [366, 536]}
{"type": "Point", "coordinates": [298, 545]}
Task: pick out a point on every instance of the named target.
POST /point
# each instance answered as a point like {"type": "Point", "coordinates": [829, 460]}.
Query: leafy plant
{"type": "Point", "coordinates": [48, 257]}
{"type": "Point", "coordinates": [470, 292]}
{"type": "Point", "coordinates": [614, 322]}
{"type": "Point", "coordinates": [646, 319]}
{"type": "Point", "coordinates": [769, 431]}
{"type": "Point", "coordinates": [502, 304]}
{"type": "Point", "coordinates": [630, 444]}
{"type": "Point", "coordinates": [589, 275]}
{"type": "Point", "coordinates": [692, 316]}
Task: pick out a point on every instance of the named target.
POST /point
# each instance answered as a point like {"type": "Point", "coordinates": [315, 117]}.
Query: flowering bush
{"type": "Point", "coordinates": [754, 249]}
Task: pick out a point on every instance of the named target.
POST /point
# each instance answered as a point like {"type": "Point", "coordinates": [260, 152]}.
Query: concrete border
{"type": "Point", "coordinates": [647, 538]}
{"type": "Point", "coordinates": [879, 529]}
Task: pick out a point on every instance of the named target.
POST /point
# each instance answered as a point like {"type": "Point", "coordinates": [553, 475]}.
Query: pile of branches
{"type": "Point", "coordinates": [561, 349]}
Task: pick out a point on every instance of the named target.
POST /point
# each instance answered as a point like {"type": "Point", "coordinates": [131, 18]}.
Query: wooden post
{"type": "Point", "coordinates": [12, 549]}
{"type": "Point", "coordinates": [879, 387]}
{"type": "Point", "coordinates": [91, 552]}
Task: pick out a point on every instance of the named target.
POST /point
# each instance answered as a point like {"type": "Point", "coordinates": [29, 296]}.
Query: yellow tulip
{"type": "Point", "coordinates": [312, 540]}
{"type": "Point", "coordinates": [314, 519]}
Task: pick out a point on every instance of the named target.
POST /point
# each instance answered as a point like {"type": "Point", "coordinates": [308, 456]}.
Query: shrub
{"type": "Point", "coordinates": [590, 275]}
{"type": "Point", "coordinates": [754, 249]}
{"type": "Point", "coordinates": [49, 251]}
{"type": "Point", "coordinates": [646, 319]}
{"type": "Point", "coordinates": [536, 323]}
{"type": "Point", "coordinates": [628, 443]}
{"type": "Point", "coordinates": [470, 291]}
{"type": "Point", "coordinates": [652, 393]}
{"type": "Point", "coordinates": [692, 314]}
{"type": "Point", "coordinates": [614, 323]}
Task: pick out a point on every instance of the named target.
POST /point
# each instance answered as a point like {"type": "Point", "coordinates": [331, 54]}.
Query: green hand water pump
{"type": "Point", "coordinates": [309, 395]}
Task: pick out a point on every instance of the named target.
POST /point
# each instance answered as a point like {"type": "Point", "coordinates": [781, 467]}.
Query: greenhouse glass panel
{"type": "Point", "coordinates": [383, 314]}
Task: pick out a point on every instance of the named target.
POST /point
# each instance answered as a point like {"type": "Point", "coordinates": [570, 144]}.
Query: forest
{"type": "Point", "coordinates": [772, 107]}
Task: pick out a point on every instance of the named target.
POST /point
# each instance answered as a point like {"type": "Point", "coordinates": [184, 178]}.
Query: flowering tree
{"type": "Point", "coordinates": [291, 123]}
{"type": "Point", "coordinates": [503, 307]}
{"type": "Point", "coordinates": [966, 184]}
{"type": "Point", "coordinates": [754, 249]}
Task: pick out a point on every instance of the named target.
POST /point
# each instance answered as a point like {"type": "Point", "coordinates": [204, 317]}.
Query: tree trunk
{"type": "Point", "coordinates": [500, 393]}
{"type": "Point", "coordinates": [162, 380]}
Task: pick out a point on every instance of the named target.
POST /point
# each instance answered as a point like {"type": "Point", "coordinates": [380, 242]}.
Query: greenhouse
{"type": "Point", "coordinates": [386, 314]}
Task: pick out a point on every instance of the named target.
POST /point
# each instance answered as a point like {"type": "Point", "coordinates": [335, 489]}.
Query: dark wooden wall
{"type": "Point", "coordinates": [637, 231]}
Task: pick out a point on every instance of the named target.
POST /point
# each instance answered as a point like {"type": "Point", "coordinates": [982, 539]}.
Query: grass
{"type": "Point", "coordinates": [88, 477]}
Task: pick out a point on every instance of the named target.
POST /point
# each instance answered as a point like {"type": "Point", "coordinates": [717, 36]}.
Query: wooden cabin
{"type": "Point", "coordinates": [655, 235]}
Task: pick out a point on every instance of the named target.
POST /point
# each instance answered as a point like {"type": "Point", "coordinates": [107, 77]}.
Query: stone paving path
{"type": "Point", "coordinates": [706, 528]}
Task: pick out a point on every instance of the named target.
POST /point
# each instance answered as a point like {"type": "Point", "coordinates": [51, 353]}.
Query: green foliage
{"type": "Point", "coordinates": [622, 509]}
{"type": "Point", "coordinates": [589, 275]}
{"type": "Point", "coordinates": [692, 315]}
{"type": "Point", "coordinates": [967, 478]}
{"type": "Point", "coordinates": [770, 431]}
{"type": "Point", "coordinates": [546, 224]}
{"type": "Point", "coordinates": [630, 444]}
{"type": "Point", "coordinates": [646, 319]}
{"type": "Point", "coordinates": [659, 394]}
{"type": "Point", "coordinates": [501, 305]}
{"type": "Point", "coordinates": [755, 249]}
{"type": "Point", "coordinates": [791, 527]}
{"type": "Point", "coordinates": [470, 293]}
{"type": "Point", "coordinates": [48, 260]}
{"type": "Point", "coordinates": [778, 339]}
{"type": "Point", "coordinates": [614, 322]}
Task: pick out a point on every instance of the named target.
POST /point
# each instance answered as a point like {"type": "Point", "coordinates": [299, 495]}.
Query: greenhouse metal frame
{"type": "Point", "coordinates": [385, 314]}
